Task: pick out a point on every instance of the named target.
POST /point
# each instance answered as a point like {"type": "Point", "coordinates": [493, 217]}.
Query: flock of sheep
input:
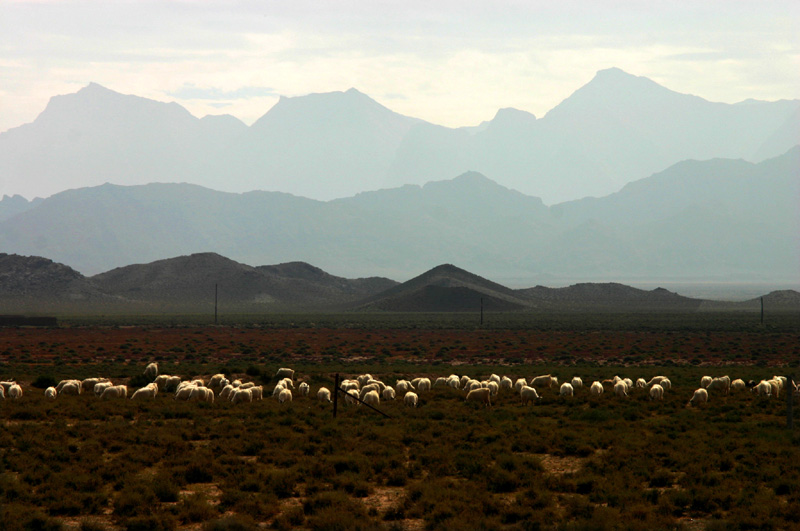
{"type": "Point", "coordinates": [368, 390]}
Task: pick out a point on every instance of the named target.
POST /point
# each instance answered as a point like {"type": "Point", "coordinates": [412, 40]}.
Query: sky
{"type": "Point", "coordinates": [454, 63]}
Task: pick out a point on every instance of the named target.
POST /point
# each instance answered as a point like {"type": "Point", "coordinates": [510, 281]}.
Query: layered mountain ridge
{"type": "Point", "coordinates": [616, 129]}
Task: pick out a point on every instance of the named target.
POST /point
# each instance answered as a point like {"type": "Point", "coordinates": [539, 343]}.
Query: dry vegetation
{"type": "Point", "coordinates": [577, 463]}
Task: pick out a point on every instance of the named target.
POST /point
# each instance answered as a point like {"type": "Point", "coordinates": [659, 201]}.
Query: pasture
{"type": "Point", "coordinates": [580, 462]}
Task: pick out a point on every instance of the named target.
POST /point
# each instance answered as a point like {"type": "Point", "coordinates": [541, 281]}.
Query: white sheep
{"type": "Point", "coordinates": [172, 383]}
{"type": "Point", "coordinates": [151, 371]}
{"type": "Point", "coordinates": [628, 383]}
{"type": "Point", "coordinates": [2, 393]}
{"type": "Point", "coordinates": [463, 381]}
{"type": "Point", "coordinates": [285, 396]}
{"type": "Point", "coordinates": [403, 386]}
{"type": "Point", "coordinates": [145, 392]}
{"type": "Point", "coordinates": [576, 383]}
{"type": "Point", "coordinates": [388, 393]}
{"type": "Point", "coordinates": [528, 394]}
{"type": "Point", "coordinates": [506, 383]}
{"type": "Point", "coordinates": [596, 389]}
{"type": "Point", "coordinates": [666, 384]}
{"type": "Point", "coordinates": [641, 383]}
{"type": "Point", "coordinates": [115, 391]}
{"type": "Point", "coordinates": [380, 384]}
{"type": "Point", "coordinates": [257, 392]}
{"type": "Point", "coordinates": [621, 388]}
{"type": "Point", "coordinates": [324, 394]}
{"type": "Point", "coordinates": [367, 388]}
{"type": "Point", "coordinates": [287, 383]}
{"type": "Point", "coordinates": [184, 392]}
{"type": "Point", "coordinates": [351, 397]}
{"type": "Point", "coordinates": [700, 396]}
{"type": "Point", "coordinates": [494, 378]}
{"type": "Point", "coordinates": [161, 381]}
{"type": "Point", "coordinates": [544, 380]}
{"type": "Point", "coordinates": [454, 382]}
{"type": "Point", "coordinates": [738, 385]}
{"type": "Point", "coordinates": [277, 390]}
{"type": "Point", "coordinates": [363, 379]}
{"type": "Point", "coordinates": [99, 387]}
{"type": "Point", "coordinates": [89, 383]}
{"type": "Point", "coordinates": [441, 380]}
{"type": "Point", "coordinates": [723, 383]}
{"type": "Point", "coordinates": [50, 392]}
{"type": "Point", "coordinates": [285, 373]}
{"type": "Point", "coordinates": [15, 392]}
{"type": "Point", "coordinates": [763, 389]}
{"type": "Point", "coordinates": [411, 399]}
{"type": "Point", "coordinates": [519, 384]}
{"type": "Point", "coordinates": [372, 398]}
{"type": "Point", "coordinates": [705, 380]}
{"type": "Point", "coordinates": [656, 380]}
{"type": "Point", "coordinates": [226, 392]}
{"type": "Point", "coordinates": [304, 389]}
{"type": "Point", "coordinates": [247, 385]}
{"type": "Point", "coordinates": [59, 387]}
{"type": "Point", "coordinates": [71, 388]}
{"type": "Point", "coordinates": [480, 395]}
{"type": "Point", "coordinates": [494, 387]}
{"type": "Point", "coordinates": [424, 384]}
{"type": "Point", "coordinates": [6, 385]}
{"type": "Point", "coordinates": [656, 392]}
{"type": "Point", "coordinates": [566, 389]}
{"type": "Point", "coordinates": [244, 395]}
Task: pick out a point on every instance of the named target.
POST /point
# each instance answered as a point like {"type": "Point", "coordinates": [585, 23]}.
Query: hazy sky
{"type": "Point", "coordinates": [449, 62]}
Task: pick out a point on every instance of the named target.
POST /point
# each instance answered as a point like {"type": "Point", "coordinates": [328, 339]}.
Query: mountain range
{"type": "Point", "coordinates": [199, 282]}
{"type": "Point", "coordinates": [717, 220]}
{"type": "Point", "coordinates": [616, 129]}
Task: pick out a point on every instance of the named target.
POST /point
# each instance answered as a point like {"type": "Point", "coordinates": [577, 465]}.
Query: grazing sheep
{"type": "Point", "coordinates": [576, 383]}
{"type": "Point", "coordinates": [115, 391]}
{"type": "Point", "coordinates": [2, 393]}
{"type": "Point", "coordinates": [544, 380]}
{"type": "Point", "coordinates": [700, 396]}
{"type": "Point", "coordinates": [519, 384]}
{"type": "Point", "coordinates": [656, 392]}
{"type": "Point", "coordinates": [641, 383]}
{"type": "Point", "coordinates": [528, 394]}
{"type": "Point", "coordinates": [287, 383]}
{"type": "Point", "coordinates": [324, 394]}
{"type": "Point", "coordinates": [656, 380]}
{"type": "Point", "coordinates": [388, 393]}
{"type": "Point", "coordinates": [480, 395]}
{"type": "Point", "coordinates": [506, 383]}
{"type": "Point", "coordinates": [628, 383]}
{"type": "Point", "coordinates": [494, 378]}
{"type": "Point", "coordinates": [723, 383]}
{"type": "Point", "coordinates": [161, 381]}
{"type": "Point", "coordinates": [441, 380]}
{"type": "Point", "coordinates": [285, 373]}
{"type": "Point", "coordinates": [304, 389]}
{"type": "Point", "coordinates": [71, 388]}
{"type": "Point", "coordinates": [738, 385]}
{"type": "Point", "coordinates": [494, 387]}
{"type": "Point", "coordinates": [363, 379]}
{"type": "Point", "coordinates": [247, 385]}
{"type": "Point", "coordinates": [705, 380]}
{"type": "Point", "coordinates": [184, 393]}
{"type": "Point", "coordinates": [366, 389]}
{"type": "Point", "coordinates": [566, 389]}
{"type": "Point", "coordinates": [151, 371]}
{"type": "Point", "coordinates": [237, 383]}
{"type": "Point", "coordinates": [776, 387]}
{"type": "Point", "coordinates": [59, 387]}
{"type": "Point", "coordinates": [372, 398]}
{"type": "Point", "coordinates": [244, 395]}
{"type": "Point", "coordinates": [666, 384]}
{"type": "Point", "coordinates": [225, 394]}
{"type": "Point", "coordinates": [7, 384]}
{"type": "Point", "coordinates": [277, 390]}
{"type": "Point", "coordinates": [596, 389]}
{"type": "Point", "coordinates": [411, 399]}
{"type": "Point", "coordinates": [285, 396]}
{"type": "Point", "coordinates": [351, 397]}
{"type": "Point", "coordinates": [145, 392]}
{"type": "Point", "coordinates": [403, 386]}
{"type": "Point", "coordinates": [621, 388]}
{"type": "Point", "coordinates": [257, 392]}
{"type": "Point", "coordinates": [424, 384]}
{"type": "Point", "coordinates": [379, 383]}
{"type": "Point", "coordinates": [15, 391]}
{"type": "Point", "coordinates": [89, 383]}
{"type": "Point", "coordinates": [463, 381]}
{"type": "Point", "coordinates": [473, 384]}
{"type": "Point", "coordinates": [172, 383]}
{"type": "Point", "coordinates": [99, 387]}
{"type": "Point", "coordinates": [50, 392]}
{"type": "Point", "coordinates": [762, 389]}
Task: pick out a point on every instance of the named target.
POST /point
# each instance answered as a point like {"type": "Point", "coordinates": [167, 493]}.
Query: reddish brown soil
{"type": "Point", "coordinates": [213, 344]}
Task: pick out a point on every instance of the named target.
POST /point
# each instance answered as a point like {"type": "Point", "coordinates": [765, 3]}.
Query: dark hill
{"type": "Point", "coordinates": [192, 280]}
{"type": "Point", "coordinates": [445, 288]}
{"type": "Point", "coordinates": [611, 296]}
